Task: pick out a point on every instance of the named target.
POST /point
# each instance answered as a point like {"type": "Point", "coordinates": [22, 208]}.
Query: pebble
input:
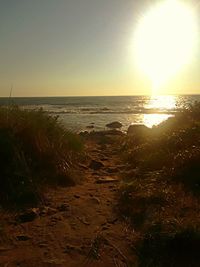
{"type": "Point", "coordinates": [96, 199]}
{"type": "Point", "coordinates": [106, 180]}
{"type": "Point", "coordinates": [63, 207]}
{"type": "Point", "coordinates": [96, 165]}
{"type": "Point", "coordinates": [28, 216]}
{"type": "Point", "coordinates": [23, 237]}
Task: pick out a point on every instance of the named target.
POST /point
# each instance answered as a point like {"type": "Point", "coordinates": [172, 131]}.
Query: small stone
{"type": "Point", "coordinates": [104, 159]}
{"type": "Point", "coordinates": [114, 190]}
{"type": "Point", "coordinates": [28, 216]}
{"type": "Point", "coordinates": [96, 200]}
{"type": "Point", "coordinates": [112, 220]}
{"type": "Point", "coordinates": [23, 237]}
{"type": "Point", "coordinates": [112, 170]}
{"type": "Point", "coordinates": [106, 180]}
{"type": "Point", "coordinates": [63, 207]}
{"type": "Point", "coordinates": [84, 133]}
{"type": "Point", "coordinates": [96, 165]}
{"type": "Point", "coordinates": [114, 125]}
{"type": "Point", "coordinates": [105, 228]}
{"type": "Point", "coordinates": [42, 245]}
{"type": "Point", "coordinates": [47, 211]}
{"type": "Point", "coordinates": [76, 196]}
{"type": "Point", "coordinates": [90, 126]}
{"type": "Point", "coordinates": [83, 220]}
{"type": "Point", "coordinates": [54, 262]}
{"type": "Point", "coordinates": [72, 248]}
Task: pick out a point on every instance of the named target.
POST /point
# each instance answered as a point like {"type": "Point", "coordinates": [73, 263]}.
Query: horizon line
{"type": "Point", "coordinates": [99, 95]}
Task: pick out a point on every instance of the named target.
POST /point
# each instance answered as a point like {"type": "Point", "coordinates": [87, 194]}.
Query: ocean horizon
{"type": "Point", "coordinates": [81, 113]}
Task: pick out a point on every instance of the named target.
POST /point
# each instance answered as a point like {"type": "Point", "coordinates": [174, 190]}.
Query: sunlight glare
{"type": "Point", "coordinates": [151, 120]}
{"type": "Point", "coordinates": [165, 105]}
{"type": "Point", "coordinates": [162, 102]}
{"type": "Point", "coordinates": [165, 40]}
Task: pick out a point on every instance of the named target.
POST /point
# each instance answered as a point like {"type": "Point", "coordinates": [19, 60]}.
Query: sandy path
{"type": "Point", "coordinates": [79, 226]}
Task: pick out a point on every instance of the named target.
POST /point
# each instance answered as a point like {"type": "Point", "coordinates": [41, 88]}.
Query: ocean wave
{"type": "Point", "coordinates": [93, 112]}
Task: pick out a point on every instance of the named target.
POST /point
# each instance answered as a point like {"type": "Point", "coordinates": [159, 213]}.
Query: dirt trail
{"type": "Point", "coordinates": [79, 225]}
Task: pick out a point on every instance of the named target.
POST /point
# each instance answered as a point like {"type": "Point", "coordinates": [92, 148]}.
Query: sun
{"type": "Point", "coordinates": [165, 40]}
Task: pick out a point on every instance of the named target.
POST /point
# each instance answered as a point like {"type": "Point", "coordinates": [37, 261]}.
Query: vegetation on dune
{"type": "Point", "coordinates": [160, 193]}
{"type": "Point", "coordinates": [36, 150]}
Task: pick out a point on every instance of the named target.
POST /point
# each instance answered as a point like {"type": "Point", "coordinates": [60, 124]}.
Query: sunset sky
{"type": "Point", "coordinates": [78, 47]}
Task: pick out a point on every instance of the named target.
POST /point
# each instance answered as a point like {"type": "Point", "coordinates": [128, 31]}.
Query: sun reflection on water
{"type": "Point", "coordinates": [160, 108]}
{"type": "Point", "coordinates": [162, 102]}
{"type": "Point", "coordinates": [154, 119]}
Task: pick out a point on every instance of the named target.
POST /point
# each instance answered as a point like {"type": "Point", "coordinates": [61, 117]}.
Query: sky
{"type": "Point", "coordinates": [77, 48]}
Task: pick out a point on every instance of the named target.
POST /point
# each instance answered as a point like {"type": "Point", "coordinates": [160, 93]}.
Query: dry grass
{"type": "Point", "coordinates": [35, 150]}
{"type": "Point", "coordinates": [161, 194]}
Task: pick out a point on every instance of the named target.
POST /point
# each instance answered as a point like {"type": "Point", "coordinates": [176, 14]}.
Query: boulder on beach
{"type": "Point", "coordinates": [114, 125]}
{"type": "Point", "coordinates": [83, 133]}
{"type": "Point", "coordinates": [90, 126]}
{"type": "Point", "coordinates": [138, 129]}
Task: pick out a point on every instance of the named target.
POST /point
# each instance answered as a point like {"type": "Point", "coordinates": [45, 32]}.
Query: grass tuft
{"type": "Point", "coordinates": [36, 150]}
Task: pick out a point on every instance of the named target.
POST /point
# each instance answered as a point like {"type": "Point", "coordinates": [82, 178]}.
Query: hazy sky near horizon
{"type": "Point", "coordinates": [76, 47]}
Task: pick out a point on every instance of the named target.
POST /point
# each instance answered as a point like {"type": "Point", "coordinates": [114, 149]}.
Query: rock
{"type": "Point", "coordinates": [90, 126]}
{"type": "Point", "coordinates": [63, 207]}
{"type": "Point", "coordinates": [106, 227]}
{"type": "Point", "coordinates": [47, 211]}
{"type": "Point", "coordinates": [83, 133]}
{"type": "Point", "coordinates": [112, 220]}
{"type": "Point", "coordinates": [76, 196]}
{"type": "Point", "coordinates": [56, 218]}
{"type": "Point", "coordinates": [96, 200]}
{"type": "Point", "coordinates": [23, 237]}
{"type": "Point", "coordinates": [112, 170]}
{"type": "Point", "coordinates": [28, 216]}
{"type": "Point", "coordinates": [138, 129]}
{"type": "Point", "coordinates": [104, 159]}
{"type": "Point", "coordinates": [114, 125]}
{"type": "Point", "coordinates": [107, 180]}
{"type": "Point", "coordinates": [115, 132]}
{"type": "Point", "coordinates": [96, 165]}
{"type": "Point", "coordinates": [114, 190]}
{"type": "Point", "coordinates": [69, 248]}
{"type": "Point", "coordinates": [54, 262]}
{"type": "Point", "coordinates": [83, 220]}
{"type": "Point", "coordinates": [42, 245]}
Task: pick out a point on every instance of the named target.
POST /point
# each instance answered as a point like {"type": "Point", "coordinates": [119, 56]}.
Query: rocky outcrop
{"type": "Point", "coordinates": [138, 130]}
{"type": "Point", "coordinates": [114, 125]}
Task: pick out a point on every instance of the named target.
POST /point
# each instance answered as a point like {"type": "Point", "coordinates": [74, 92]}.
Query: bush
{"type": "Point", "coordinates": [35, 150]}
{"type": "Point", "coordinates": [161, 196]}
{"type": "Point", "coordinates": [160, 249]}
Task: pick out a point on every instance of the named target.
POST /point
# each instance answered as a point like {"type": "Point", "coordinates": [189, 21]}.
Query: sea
{"type": "Point", "coordinates": [94, 112]}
